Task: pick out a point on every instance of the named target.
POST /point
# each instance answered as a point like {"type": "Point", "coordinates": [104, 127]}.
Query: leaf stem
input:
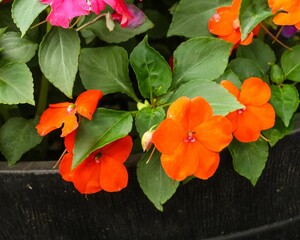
{"type": "Point", "coordinates": [91, 22]}
{"type": "Point", "coordinates": [42, 101]}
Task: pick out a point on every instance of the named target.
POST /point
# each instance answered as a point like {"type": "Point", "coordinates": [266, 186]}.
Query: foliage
{"type": "Point", "coordinates": [160, 66]}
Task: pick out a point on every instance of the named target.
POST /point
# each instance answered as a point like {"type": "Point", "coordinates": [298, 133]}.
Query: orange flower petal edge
{"type": "Point", "coordinates": [179, 139]}
{"type": "Point", "coordinates": [257, 114]}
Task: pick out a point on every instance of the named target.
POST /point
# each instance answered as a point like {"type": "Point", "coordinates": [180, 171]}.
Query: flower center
{"type": "Point", "coordinates": [97, 157]}
{"type": "Point", "coordinates": [190, 138]}
{"type": "Point", "coordinates": [71, 107]}
{"type": "Point", "coordinates": [240, 111]}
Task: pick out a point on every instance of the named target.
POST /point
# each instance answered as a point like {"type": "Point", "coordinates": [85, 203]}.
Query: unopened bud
{"type": "Point", "coordinates": [147, 140]}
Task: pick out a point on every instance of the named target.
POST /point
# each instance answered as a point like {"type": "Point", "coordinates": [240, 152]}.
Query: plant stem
{"type": "Point", "coordinates": [42, 101]}
{"type": "Point", "coordinates": [91, 22]}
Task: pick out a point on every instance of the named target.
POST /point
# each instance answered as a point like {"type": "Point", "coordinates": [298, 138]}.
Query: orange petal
{"type": "Point", "coordinates": [113, 175]}
{"type": "Point", "coordinates": [118, 150]}
{"type": "Point", "coordinates": [248, 128]}
{"type": "Point", "coordinates": [70, 125]}
{"type": "Point", "coordinates": [51, 119]}
{"type": "Point", "coordinates": [221, 23]}
{"type": "Point", "coordinates": [248, 39]}
{"type": "Point", "coordinates": [168, 136]}
{"type": "Point", "coordinates": [215, 133]}
{"type": "Point", "coordinates": [178, 109]}
{"type": "Point", "coordinates": [254, 92]}
{"type": "Point", "coordinates": [265, 115]}
{"type": "Point", "coordinates": [233, 119]}
{"type": "Point", "coordinates": [235, 7]}
{"type": "Point", "coordinates": [182, 163]}
{"type": "Point", "coordinates": [234, 37]}
{"type": "Point", "coordinates": [86, 178]}
{"type": "Point", "coordinates": [87, 102]}
{"type": "Point", "coordinates": [208, 163]}
{"type": "Point", "coordinates": [69, 141]}
{"type": "Point", "coordinates": [65, 167]}
{"type": "Point", "coordinates": [230, 88]}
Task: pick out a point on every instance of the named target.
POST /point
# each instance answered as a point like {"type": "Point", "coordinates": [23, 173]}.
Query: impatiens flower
{"type": "Point", "coordinates": [226, 25]}
{"type": "Point", "coordinates": [133, 22]}
{"type": "Point", "coordinates": [102, 169]}
{"type": "Point", "coordinates": [287, 12]}
{"type": "Point", "coordinates": [63, 11]}
{"type": "Point", "coordinates": [65, 113]}
{"type": "Point", "coordinates": [257, 114]}
{"type": "Point", "coordinates": [190, 139]}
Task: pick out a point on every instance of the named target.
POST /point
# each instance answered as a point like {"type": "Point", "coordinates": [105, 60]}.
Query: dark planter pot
{"type": "Point", "coordinates": [35, 203]}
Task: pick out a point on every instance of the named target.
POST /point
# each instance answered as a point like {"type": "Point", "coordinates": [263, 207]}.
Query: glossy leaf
{"type": "Point", "coordinates": [251, 14]}
{"type": "Point", "coordinates": [249, 159]}
{"type": "Point", "coordinates": [17, 49]}
{"type": "Point", "coordinates": [147, 118]}
{"type": "Point", "coordinates": [221, 101]}
{"type": "Point", "coordinates": [152, 71]}
{"type": "Point", "coordinates": [119, 34]}
{"type": "Point", "coordinates": [231, 76]}
{"type": "Point", "coordinates": [24, 12]}
{"type": "Point", "coordinates": [106, 127]}
{"type": "Point", "coordinates": [16, 84]}
{"type": "Point", "coordinates": [106, 69]}
{"type": "Point", "coordinates": [245, 68]}
{"type": "Point", "coordinates": [156, 185]}
{"type": "Point", "coordinates": [285, 100]}
{"type": "Point", "coordinates": [290, 63]}
{"type": "Point", "coordinates": [17, 136]}
{"type": "Point", "coordinates": [190, 18]}
{"type": "Point", "coordinates": [259, 52]}
{"type": "Point", "coordinates": [58, 58]}
{"type": "Point", "coordinates": [202, 58]}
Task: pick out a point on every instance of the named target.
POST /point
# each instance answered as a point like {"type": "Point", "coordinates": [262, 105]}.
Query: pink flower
{"type": "Point", "coordinates": [62, 11]}
{"type": "Point", "coordinates": [138, 19]}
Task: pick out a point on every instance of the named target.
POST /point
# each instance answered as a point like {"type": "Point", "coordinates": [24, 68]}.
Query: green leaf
{"type": "Point", "coordinates": [17, 49]}
{"type": "Point", "coordinates": [17, 136]}
{"type": "Point", "coordinates": [16, 84]}
{"type": "Point", "coordinates": [259, 52]}
{"type": "Point", "coordinates": [190, 18]}
{"type": "Point", "coordinates": [152, 71]}
{"type": "Point", "coordinates": [231, 76]}
{"type": "Point", "coordinates": [279, 131]}
{"type": "Point", "coordinates": [245, 68]}
{"type": "Point", "coordinates": [2, 31]}
{"type": "Point", "coordinates": [203, 58]}
{"type": "Point", "coordinates": [285, 100]}
{"type": "Point", "coordinates": [106, 69]}
{"type": "Point", "coordinates": [249, 159]}
{"type": "Point", "coordinates": [58, 58]}
{"type": "Point", "coordinates": [251, 14]}
{"type": "Point", "coordinates": [148, 117]}
{"type": "Point", "coordinates": [156, 185]}
{"type": "Point", "coordinates": [119, 34]}
{"type": "Point", "coordinates": [221, 101]}
{"type": "Point", "coordinates": [24, 12]}
{"type": "Point", "coordinates": [106, 127]}
{"type": "Point", "coordinates": [290, 63]}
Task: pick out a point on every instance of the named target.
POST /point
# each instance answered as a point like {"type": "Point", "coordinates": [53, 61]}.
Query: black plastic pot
{"type": "Point", "coordinates": [35, 203]}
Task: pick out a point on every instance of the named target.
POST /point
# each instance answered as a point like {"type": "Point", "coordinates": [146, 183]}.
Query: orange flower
{"type": "Point", "coordinates": [289, 12]}
{"type": "Point", "coordinates": [190, 138]}
{"type": "Point", "coordinates": [65, 113]}
{"type": "Point", "coordinates": [102, 169]}
{"type": "Point", "coordinates": [257, 114]}
{"type": "Point", "coordinates": [226, 25]}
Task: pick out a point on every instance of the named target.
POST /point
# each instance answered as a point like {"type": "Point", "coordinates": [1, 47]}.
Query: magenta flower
{"type": "Point", "coordinates": [138, 19]}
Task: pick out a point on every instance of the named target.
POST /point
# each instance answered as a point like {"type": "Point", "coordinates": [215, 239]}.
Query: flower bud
{"type": "Point", "coordinates": [146, 140]}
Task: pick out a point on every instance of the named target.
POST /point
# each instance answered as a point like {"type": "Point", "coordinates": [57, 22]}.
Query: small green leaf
{"type": "Point", "coordinates": [119, 34]}
{"type": "Point", "coordinates": [290, 63]}
{"type": "Point", "coordinates": [259, 52]}
{"type": "Point", "coordinates": [285, 100]}
{"type": "Point", "coordinates": [17, 136]}
{"type": "Point", "coordinates": [17, 49]}
{"type": "Point", "coordinates": [203, 58]}
{"type": "Point", "coordinates": [58, 58]}
{"type": "Point", "coordinates": [148, 117]}
{"type": "Point", "coordinates": [156, 185]}
{"type": "Point", "coordinates": [249, 159]}
{"type": "Point", "coordinates": [251, 14]}
{"type": "Point", "coordinates": [221, 101]}
{"type": "Point", "coordinates": [106, 69]}
{"type": "Point", "coordinates": [190, 18]}
{"type": "Point", "coordinates": [231, 76]}
{"type": "Point", "coordinates": [245, 68]}
{"type": "Point", "coordinates": [16, 84]}
{"type": "Point", "coordinates": [106, 127]}
{"type": "Point", "coordinates": [152, 71]}
{"type": "Point", "coordinates": [279, 131]}
{"type": "Point", "coordinates": [24, 12]}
